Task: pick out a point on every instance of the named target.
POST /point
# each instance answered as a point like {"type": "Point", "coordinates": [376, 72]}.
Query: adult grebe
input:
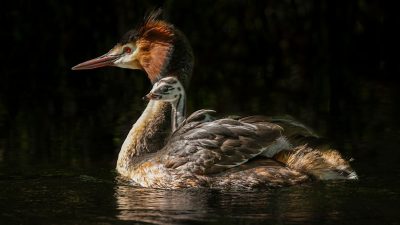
{"type": "Point", "coordinates": [161, 50]}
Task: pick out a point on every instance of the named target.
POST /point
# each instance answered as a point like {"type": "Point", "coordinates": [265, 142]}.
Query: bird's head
{"type": "Point", "coordinates": [167, 89]}
{"type": "Point", "coordinates": [156, 47]}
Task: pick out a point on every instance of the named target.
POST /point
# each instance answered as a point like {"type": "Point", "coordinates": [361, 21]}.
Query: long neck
{"type": "Point", "coordinates": [178, 111]}
{"type": "Point", "coordinates": [147, 135]}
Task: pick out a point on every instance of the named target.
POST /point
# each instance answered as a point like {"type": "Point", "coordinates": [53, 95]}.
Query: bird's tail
{"type": "Point", "coordinates": [320, 164]}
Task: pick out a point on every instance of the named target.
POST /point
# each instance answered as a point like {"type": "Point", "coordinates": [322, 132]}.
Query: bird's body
{"type": "Point", "coordinates": [215, 153]}
{"type": "Point", "coordinates": [224, 153]}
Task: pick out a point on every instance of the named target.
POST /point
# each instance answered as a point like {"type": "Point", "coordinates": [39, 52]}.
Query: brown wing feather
{"type": "Point", "coordinates": [212, 147]}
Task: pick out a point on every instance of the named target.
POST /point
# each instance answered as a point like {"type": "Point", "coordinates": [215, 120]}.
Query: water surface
{"type": "Point", "coordinates": [58, 194]}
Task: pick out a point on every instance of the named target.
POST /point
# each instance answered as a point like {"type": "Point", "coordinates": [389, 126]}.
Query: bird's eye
{"type": "Point", "coordinates": [164, 89]}
{"type": "Point", "coordinates": [127, 50]}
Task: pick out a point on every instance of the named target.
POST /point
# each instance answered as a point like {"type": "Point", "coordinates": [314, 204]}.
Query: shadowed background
{"type": "Point", "coordinates": [330, 64]}
{"type": "Point", "coordinates": [326, 63]}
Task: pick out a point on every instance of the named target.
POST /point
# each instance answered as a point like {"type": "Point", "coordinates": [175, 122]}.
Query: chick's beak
{"type": "Point", "coordinates": [107, 59]}
{"type": "Point", "coordinates": [151, 96]}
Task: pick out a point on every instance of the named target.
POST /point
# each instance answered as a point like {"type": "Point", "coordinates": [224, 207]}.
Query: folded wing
{"type": "Point", "coordinates": [203, 146]}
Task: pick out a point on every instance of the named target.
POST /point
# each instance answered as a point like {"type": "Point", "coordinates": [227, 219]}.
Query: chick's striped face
{"type": "Point", "coordinates": [168, 89]}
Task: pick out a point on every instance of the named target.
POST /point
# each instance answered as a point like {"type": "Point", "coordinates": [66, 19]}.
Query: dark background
{"type": "Point", "coordinates": [330, 64]}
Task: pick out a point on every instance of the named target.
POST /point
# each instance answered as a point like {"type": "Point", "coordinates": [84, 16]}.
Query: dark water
{"type": "Point", "coordinates": [331, 65]}
{"type": "Point", "coordinates": [93, 196]}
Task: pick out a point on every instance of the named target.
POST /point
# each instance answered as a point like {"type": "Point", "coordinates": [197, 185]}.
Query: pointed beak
{"type": "Point", "coordinates": [102, 61]}
{"type": "Point", "coordinates": [151, 96]}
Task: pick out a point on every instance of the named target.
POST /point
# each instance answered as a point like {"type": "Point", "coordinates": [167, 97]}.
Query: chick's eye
{"type": "Point", "coordinates": [164, 89]}
{"type": "Point", "coordinates": [127, 50]}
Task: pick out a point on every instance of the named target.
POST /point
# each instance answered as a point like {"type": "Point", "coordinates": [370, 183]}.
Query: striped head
{"type": "Point", "coordinates": [167, 89]}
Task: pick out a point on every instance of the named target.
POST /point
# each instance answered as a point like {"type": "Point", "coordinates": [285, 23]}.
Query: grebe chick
{"type": "Point", "coordinates": [169, 89]}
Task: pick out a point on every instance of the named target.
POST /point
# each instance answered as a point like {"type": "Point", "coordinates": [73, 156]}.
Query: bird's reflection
{"type": "Point", "coordinates": [160, 206]}
{"type": "Point", "coordinates": [296, 204]}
